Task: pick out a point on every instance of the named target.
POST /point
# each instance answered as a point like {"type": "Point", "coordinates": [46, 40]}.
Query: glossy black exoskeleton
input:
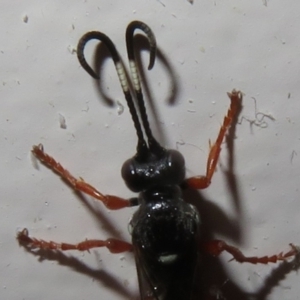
{"type": "Point", "coordinates": [164, 228]}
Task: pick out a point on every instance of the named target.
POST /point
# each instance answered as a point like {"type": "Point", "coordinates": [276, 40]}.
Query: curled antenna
{"type": "Point", "coordinates": [153, 147]}
{"type": "Point", "coordinates": [153, 144]}
{"type": "Point", "coordinates": [96, 35]}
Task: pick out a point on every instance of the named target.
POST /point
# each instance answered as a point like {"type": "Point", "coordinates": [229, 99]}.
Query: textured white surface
{"type": "Point", "coordinates": [212, 47]}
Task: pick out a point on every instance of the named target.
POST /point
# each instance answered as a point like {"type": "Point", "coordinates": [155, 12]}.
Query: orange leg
{"type": "Point", "coordinates": [113, 245]}
{"type": "Point", "coordinates": [202, 182]}
{"type": "Point", "coordinates": [111, 202]}
{"type": "Point", "coordinates": [216, 247]}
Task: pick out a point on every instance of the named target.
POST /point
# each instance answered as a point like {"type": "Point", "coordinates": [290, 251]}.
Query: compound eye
{"type": "Point", "coordinates": [130, 175]}
{"type": "Point", "coordinates": [176, 160]}
{"type": "Point", "coordinates": [176, 167]}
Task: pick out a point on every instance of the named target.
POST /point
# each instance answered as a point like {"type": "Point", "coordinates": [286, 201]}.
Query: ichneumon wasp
{"type": "Point", "coordinates": [165, 229]}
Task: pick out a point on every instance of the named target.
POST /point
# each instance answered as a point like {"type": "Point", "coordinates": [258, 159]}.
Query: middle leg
{"type": "Point", "coordinates": [216, 247]}
{"type": "Point", "coordinates": [113, 245]}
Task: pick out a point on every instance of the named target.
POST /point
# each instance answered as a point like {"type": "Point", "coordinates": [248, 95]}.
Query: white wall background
{"type": "Point", "coordinates": [212, 47]}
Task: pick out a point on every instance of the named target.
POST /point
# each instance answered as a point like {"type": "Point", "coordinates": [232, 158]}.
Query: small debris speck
{"type": "Point", "coordinates": [25, 19]}
{"type": "Point", "coordinates": [120, 108]}
{"type": "Point", "coordinates": [265, 3]}
{"type": "Point", "coordinates": [62, 121]}
{"type": "Point", "coordinates": [72, 49]}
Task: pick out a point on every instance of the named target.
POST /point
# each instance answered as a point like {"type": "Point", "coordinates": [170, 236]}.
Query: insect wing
{"type": "Point", "coordinates": [177, 285]}
{"type": "Point", "coordinates": [147, 289]}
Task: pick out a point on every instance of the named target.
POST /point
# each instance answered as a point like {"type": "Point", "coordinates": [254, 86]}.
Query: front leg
{"type": "Point", "coordinates": [110, 201]}
{"type": "Point", "coordinates": [202, 182]}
